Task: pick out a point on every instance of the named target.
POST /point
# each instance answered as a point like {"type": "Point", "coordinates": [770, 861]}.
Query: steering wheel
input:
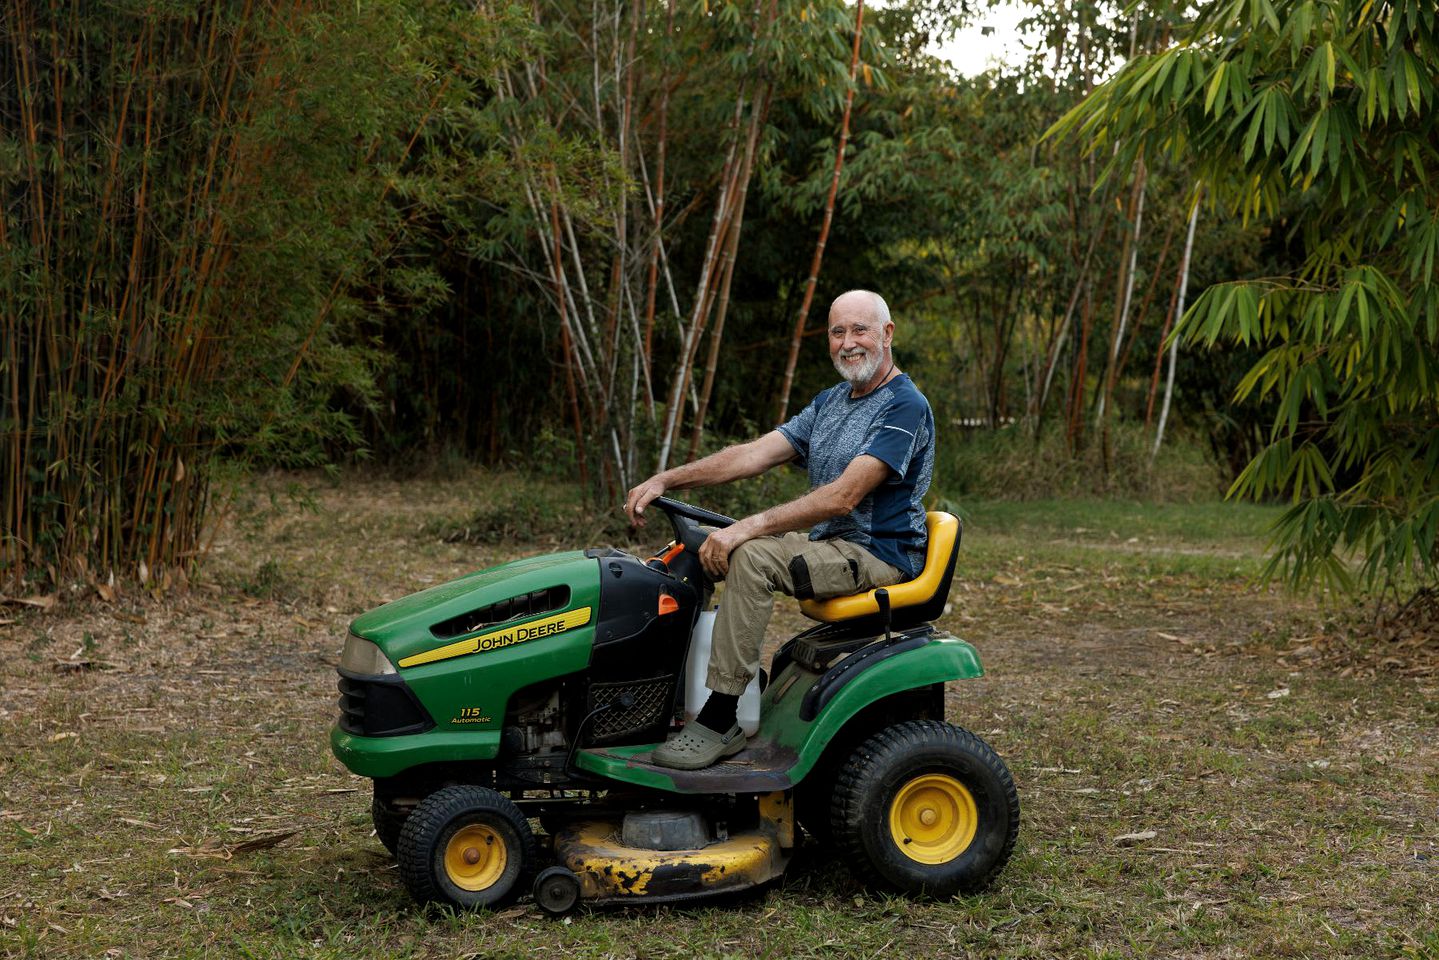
{"type": "Point", "coordinates": [686, 521]}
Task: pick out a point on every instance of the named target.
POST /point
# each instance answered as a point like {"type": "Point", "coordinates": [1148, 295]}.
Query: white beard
{"type": "Point", "coordinates": [862, 373]}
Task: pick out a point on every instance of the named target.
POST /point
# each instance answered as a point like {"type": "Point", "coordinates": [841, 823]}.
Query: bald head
{"type": "Point", "coordinates": [863, 301]}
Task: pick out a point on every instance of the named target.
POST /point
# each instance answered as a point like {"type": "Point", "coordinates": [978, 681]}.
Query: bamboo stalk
{"type": "Point", "coordinates": [700, 312]}
{"type": "Point", "coordinates": [570, 388]}
{"type": "Point", "coordinates": [1074, 432]}
{"type": "Point", "coordinates": [730, 256]}
{"type": "Point", "coordinates": [1124, 288]}
{"type": "Point", "coordinates": [802, 316]}
{"type": "Point", "coordinates": [1178, 313]}
{"type": "Point", "coordinates": [1056, 343]}
{"type": "Point", "coordinates": [1004, 323]}
{"type": "Point", "coordinates": [659, 210]}
{"type": "Point", "coordinates": [703, 309]}
{"type": "Point", "coordinates": [1144, 305]}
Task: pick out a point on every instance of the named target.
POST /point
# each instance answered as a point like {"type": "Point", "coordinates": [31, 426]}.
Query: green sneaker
{"type": "Point", "coordinates": [697, 746]}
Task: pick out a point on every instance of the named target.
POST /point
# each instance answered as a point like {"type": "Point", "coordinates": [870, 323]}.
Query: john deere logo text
{"type": "Point", "coordinates": [504, 637]}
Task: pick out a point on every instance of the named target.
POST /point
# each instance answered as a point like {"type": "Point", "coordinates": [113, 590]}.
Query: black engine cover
{"type": "Point", "coordinates": [639, 654]}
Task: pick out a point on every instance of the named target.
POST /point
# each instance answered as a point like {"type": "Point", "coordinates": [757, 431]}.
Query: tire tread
{"type": "Point", "coordinates": [423, 827]}
{"type": "Point", "coordinates": [860, 776]}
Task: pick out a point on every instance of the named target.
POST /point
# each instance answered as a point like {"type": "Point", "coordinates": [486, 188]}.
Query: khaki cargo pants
{"type": "Point", "coordinates": [794, 565]}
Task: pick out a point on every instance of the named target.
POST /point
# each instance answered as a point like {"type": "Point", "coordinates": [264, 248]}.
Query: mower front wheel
{"type": "Point", "coordinates": [929, 807]}
{"type": "Point", "coordinates": [466, 846]}
{"type": "Point", "coordinates": [388, 823]}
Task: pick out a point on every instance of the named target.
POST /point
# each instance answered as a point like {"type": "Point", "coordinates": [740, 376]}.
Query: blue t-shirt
{"type": "Point", "coordinates": [893, 424]}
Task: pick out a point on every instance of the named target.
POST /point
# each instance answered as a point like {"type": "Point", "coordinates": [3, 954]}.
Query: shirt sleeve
{"type": "Point", "coordinates": [797, 429]}
{"type": "Point", "coordinates": [897, 433]}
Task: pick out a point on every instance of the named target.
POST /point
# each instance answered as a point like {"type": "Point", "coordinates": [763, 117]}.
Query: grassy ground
{"type": "Point", "coordinates": [166, 787]}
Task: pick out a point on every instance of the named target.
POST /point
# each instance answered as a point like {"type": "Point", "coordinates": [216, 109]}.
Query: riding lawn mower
{"type": "Point", "coordinates": [535, 692]}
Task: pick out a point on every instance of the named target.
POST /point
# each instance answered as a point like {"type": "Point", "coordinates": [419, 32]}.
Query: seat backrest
{"type": "Point", "coordinates": [913, 601]}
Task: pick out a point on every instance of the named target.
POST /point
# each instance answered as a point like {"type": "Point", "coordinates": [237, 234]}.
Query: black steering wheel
{"type": "Point", "coordinates": [687, 520]}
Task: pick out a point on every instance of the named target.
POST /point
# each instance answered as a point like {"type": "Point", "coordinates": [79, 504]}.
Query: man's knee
{"type": "Point", "coordinates": [754, 560]}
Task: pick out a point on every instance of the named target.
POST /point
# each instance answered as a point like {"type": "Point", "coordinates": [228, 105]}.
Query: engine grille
{"type": "Point", "coordinates": [633, 707]}
{"type": "Point", "coordinates": [379, 707]}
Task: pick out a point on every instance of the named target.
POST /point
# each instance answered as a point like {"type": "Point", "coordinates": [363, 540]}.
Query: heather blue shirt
{"type": "Point", "coordinates": [892, 424]}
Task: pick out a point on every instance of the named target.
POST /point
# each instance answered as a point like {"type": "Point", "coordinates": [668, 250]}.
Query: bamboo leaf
{"type": "Point", "coordinates": [1399, 77]}
{"type": "Point", "coordinates": [1214, 96]}
{"type": "Point", "coordinates": [1411, 76]}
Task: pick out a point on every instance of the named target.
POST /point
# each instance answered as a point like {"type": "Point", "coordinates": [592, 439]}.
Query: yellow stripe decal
{"type": "Point", "coordinates": [505, 637]}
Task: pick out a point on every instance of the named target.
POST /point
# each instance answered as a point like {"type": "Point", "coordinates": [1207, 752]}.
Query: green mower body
{"type": "Point", "coordinates": [538, 688]}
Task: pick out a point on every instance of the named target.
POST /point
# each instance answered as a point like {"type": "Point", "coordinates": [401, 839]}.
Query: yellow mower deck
{"type": "Point", "coordinates": [610, 872]}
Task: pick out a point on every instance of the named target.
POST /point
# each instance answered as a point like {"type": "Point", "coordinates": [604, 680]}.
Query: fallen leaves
{"type": "Point", "coordinates": [227, 851]}
{"type": "Point", "coordinates": [80, 665]}
{"type": "Point", "coordinates": [37, 601]}
{"type": "Point", "coordinates": [1131, 839]}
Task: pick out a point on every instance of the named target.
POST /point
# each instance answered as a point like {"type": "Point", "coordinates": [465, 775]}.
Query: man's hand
{"type": "Point", "coordinates": [642, 496]}
{"type": "Point", "coordinates": [715, 551]}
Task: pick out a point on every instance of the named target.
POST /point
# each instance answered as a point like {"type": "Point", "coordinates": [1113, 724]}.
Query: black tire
{"type": "Point", "coordinates": [454, 824]}
{"type": "Point", "coordinates": [939, 783]}
{"type": "Point", "coordinates": [388, 822]}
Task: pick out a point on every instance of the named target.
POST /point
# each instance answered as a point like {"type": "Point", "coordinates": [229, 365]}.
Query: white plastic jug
{"type": "Point", "coordinates": [697, 667]}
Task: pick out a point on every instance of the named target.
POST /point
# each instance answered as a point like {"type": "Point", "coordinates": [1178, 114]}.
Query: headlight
{"type": "Point", "coordinates": [363, 658]}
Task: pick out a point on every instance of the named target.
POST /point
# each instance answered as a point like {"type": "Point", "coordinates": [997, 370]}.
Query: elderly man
{"type": "Point", "coordinates": [868, 444]}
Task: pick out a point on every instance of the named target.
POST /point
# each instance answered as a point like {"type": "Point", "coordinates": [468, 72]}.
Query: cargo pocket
{"type": "Point", "coordinates": [821, 571]}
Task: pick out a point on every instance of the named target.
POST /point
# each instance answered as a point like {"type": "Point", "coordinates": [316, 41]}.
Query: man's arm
{"type": "Point", "coordinates": [834, 499]}
{"type": "Point", "coordinates": [732, 463]}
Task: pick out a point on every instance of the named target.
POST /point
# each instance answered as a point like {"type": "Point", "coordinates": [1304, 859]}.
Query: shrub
{"type": "Point", "coordinates": [1011, 464]}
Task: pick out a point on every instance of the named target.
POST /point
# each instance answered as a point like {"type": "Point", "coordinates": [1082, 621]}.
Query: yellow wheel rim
{"type": "Point", "coordinates": [475, 857]}
{"type": "Point", "coordinates": [933, 818]}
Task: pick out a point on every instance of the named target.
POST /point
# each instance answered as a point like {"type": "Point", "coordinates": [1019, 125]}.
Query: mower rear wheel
{"type": "Point", "coordinates": [930, 807]}
{"type": "Point", "coordinates": [466, 846]}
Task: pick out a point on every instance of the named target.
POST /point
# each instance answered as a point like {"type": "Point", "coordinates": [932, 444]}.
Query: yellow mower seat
{"type": "Point", "coordinates": [923, 590]}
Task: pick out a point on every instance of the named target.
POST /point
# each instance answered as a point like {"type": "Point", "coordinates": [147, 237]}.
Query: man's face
{"type": "Point", "coordinates": [857, 343]}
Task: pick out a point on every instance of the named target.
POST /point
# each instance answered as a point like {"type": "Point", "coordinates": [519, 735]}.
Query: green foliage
{"type": "Point", "coordinates": [537, 509]}
{"type": "Point", "coordinates": [236, 234]}
{"type": "Point", "coordinates": [548, 256]}
{"type": "Point", "coordinates": [1323, 113]}
{"type": "Point", "coordinates": [198, 202]}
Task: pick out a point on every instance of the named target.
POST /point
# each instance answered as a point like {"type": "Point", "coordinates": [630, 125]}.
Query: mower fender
{"type": "Point", "coordinates": [941, 659]}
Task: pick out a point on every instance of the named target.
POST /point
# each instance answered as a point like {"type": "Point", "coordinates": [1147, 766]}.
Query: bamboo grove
{"type": "Point", "coordinates": [585, 238]}
{"type": "Point", "coordinates": [196, 196]}
{"type": "Point", "coordinates": [1321, 115]}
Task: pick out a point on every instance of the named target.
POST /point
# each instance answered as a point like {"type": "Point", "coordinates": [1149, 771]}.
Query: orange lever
{"type": "Point", "coordinates": [668, 604]}
{"type": "Point", "coordinates": [674, 550]}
